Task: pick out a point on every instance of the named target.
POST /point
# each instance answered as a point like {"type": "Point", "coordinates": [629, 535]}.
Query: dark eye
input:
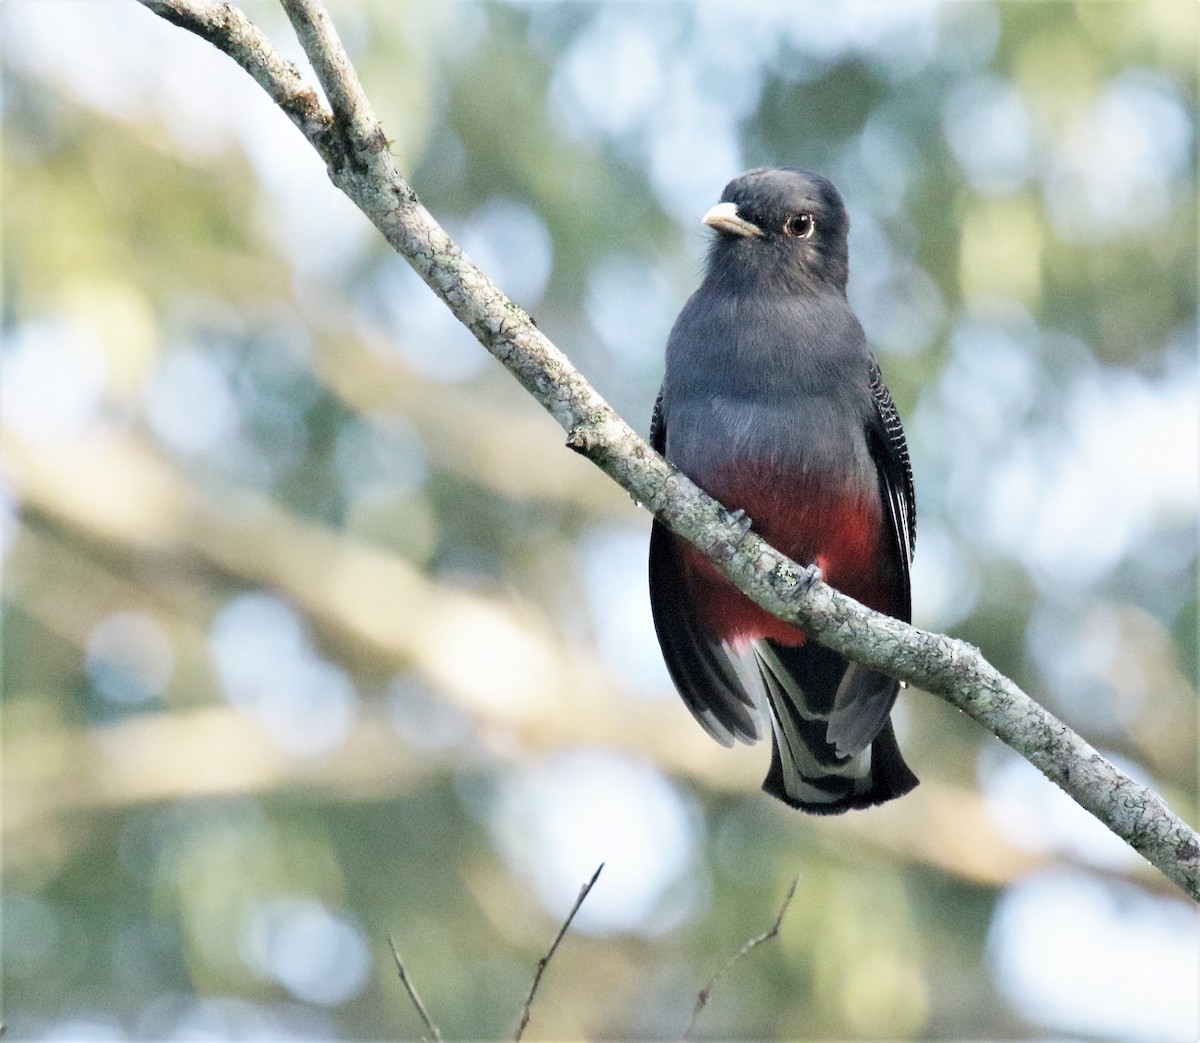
{"type": "Point", "coordinates": [800, 225]}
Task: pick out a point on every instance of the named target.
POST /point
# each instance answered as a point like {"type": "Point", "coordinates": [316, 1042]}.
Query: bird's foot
{"type": "Point", "coordinates": [741, 520]}
{"type": "Point", "coordinates": [810, 575]}
{"type": "Point", "coordinates": [802, 581]}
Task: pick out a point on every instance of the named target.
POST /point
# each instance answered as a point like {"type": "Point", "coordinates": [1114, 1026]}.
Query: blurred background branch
{"type": "Point", "coordinates": [214, 750]}
{"type": "Point", "coordinates": [203, 774]}
{"type": "Point", "coordinates": [362, 167]}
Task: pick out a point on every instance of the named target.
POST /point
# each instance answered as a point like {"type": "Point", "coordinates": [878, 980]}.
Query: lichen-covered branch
{"type": "Point", "coordinates": [355, 150]}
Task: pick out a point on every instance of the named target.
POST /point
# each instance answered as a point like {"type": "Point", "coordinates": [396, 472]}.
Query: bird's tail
{"type": "Point", "coordinates": [834, 747]}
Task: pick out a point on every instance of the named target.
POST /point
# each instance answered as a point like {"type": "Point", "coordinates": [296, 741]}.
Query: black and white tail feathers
{"type": "Point", "coordinates": [834, 748]}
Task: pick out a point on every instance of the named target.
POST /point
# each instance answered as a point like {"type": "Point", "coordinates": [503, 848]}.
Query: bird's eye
{"type": "Point", "coordinates": [800, 225]}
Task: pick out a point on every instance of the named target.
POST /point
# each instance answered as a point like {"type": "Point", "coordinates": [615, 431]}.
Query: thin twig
{"type": "Point", "coordinates": [753, 943]}
{"type": "Point", "coordinates": [411, 989]}
{"type": "Point", "coordinates": [545, 960]}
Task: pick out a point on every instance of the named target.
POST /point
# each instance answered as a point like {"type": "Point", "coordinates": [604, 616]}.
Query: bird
{"type": "Point", "coordinates": [773, 403]}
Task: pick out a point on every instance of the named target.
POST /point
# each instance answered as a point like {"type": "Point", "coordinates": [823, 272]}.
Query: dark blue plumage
{"type": "Point", "coordinates": [773, 403]}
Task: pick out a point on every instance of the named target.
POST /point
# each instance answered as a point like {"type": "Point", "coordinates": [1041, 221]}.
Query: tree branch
{"type": "Point", "coordinates": [357, 157]}
{"type": "Point", "coordinates": [229, 30]}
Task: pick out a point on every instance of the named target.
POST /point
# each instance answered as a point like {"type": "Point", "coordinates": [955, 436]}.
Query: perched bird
{"type": "Point", "coordinates": [773, 403]}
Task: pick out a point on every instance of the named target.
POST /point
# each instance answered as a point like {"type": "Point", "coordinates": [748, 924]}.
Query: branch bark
{"type": "Point", "coordinates": [356, 154]}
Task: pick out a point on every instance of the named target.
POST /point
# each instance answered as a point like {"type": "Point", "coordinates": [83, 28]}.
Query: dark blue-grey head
{"type": "Point", "coordinates": [780, 226]}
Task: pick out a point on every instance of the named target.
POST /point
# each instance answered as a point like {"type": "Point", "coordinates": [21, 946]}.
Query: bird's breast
{"type": "Point", "coordinates": [780, 438]}
{"type": "Point", "coordinates": [816, 518]}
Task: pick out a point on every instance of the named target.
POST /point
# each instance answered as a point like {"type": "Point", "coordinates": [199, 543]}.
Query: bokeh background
{"type": "Point", "coordinates": [314, 631]}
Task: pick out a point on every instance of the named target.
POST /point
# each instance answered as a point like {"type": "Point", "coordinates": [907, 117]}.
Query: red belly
{"type": "Point", "coordinates": [810, 523]}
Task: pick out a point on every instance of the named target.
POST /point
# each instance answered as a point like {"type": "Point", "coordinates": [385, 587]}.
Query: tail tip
{"type": "Point", "coordinates": [833, 794]}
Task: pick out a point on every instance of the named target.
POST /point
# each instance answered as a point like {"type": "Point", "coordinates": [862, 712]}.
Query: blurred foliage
{"type": "Point", "coordinates": [314, 632]}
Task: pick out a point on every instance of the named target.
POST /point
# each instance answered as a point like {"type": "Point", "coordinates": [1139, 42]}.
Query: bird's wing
{"type": "Point", "coordinates": [864, 697]}
{"type": "Point", "coordinates": [658, 427]}
{"type": "Point", "coordinates": [890, 451]}
{"type": "Point", "coordinates": [711, 680]}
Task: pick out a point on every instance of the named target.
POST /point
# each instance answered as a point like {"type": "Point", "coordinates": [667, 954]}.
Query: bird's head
{"type": "Point", "coordinates": [780, 226]}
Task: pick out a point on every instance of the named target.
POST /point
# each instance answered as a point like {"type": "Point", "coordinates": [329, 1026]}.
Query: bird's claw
{"type": "Point", "coordinates": [740, 519]}
{"type": "Point", "coordinates": [798, 582]}
{"type": "Point", "coordinates": [812, 574]}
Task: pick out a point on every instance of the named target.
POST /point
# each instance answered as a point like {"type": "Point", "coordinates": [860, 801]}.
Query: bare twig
{"type": "Point", "coordinates": [411, 989]}
{"type": "Point", "coordinates": [545, 960]}
{"type": "Point", "coordinates": [753, 943]}
{"type": "Point", "coordinates": [359, 163]}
